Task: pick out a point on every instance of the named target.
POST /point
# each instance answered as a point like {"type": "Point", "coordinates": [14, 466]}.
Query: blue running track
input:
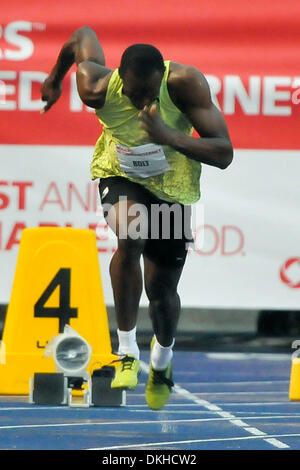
{"type": "Point", "coordinates": [221, 401]}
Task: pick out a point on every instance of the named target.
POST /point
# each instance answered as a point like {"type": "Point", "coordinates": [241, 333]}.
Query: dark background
{"type": "Point", "coordinates": [218, 330]}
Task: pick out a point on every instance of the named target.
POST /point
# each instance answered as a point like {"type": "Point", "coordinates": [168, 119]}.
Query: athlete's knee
{"type": "Point", "coordinates": [160, 293]}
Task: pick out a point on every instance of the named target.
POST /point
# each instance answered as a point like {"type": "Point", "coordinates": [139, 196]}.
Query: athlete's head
{"type": "Point", "coordinates": [142, 69]}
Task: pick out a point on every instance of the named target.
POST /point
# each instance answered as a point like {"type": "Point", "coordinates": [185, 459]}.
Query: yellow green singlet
{"type": "Point", "coordinates": [121, 126]}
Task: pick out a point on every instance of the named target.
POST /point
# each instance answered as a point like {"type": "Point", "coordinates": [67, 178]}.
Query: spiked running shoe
{"type": "Point", "coordinates": [159, 385]}
{"type": "Point", "coordinates": [127, 373]}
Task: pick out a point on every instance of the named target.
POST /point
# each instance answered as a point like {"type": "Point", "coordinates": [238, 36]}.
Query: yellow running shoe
{"type": "Point", "coordinates": [159, 385]}
{"type": "Point", "coordinates": [127, 373]}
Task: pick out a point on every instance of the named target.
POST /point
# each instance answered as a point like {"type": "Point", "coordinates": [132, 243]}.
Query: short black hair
{"type": "Point", "coordinates": [142, 59]}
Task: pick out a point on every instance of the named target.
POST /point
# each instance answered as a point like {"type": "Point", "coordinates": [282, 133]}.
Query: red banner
{"type": "Point", "coordinates": [248, 50]}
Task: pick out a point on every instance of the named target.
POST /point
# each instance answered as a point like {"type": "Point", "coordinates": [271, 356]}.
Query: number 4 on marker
{"type": "Point", "coordinates": [64, 312]}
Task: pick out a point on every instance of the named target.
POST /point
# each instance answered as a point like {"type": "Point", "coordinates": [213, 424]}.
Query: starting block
{"type": "Point", "coordinates": [72, 384]}
{"type": "Point", "coordinates": [57, 283]}
{"type": "Point", "coordinates": [57, 389]}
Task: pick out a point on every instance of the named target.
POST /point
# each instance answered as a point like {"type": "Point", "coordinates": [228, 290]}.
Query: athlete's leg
{"type": "Point", "coordinates": [126, 279]}
{"type": "Point", "coordinates": [130, 224]}
{"type": "Point", "coordinates": [164, 302]}
{"type": "Point", "coordinates": [125, 270]}
{"type": "Point", "coordinates": [164, 259]}
{"type": "Point", "coordinates": [161, 288]}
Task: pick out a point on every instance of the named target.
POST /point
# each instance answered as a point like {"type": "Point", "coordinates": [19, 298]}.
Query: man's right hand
{"type": "Point", "coordinates": [51, 92]}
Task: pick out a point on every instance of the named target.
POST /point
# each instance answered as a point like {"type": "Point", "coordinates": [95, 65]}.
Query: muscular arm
{"type": "Point", "coordinates": [214, 146]}
{"type": "Point", "coordinates": [84, 49]}
{"type": "Point", "coordinates": [189, 90]}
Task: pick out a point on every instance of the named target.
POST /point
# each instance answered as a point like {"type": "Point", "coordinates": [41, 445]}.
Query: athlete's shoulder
{"type": "Point", "coordinates": [92, 82]}
{"type": "Point", "coordinates": [180, 74]}
{"type": "Point", "coordinates": [187, 83]}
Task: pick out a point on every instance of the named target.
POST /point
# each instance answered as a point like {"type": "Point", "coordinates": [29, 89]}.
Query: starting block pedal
{"type": "Point", "coordinates": [102, 393]}
{"type": "Point", "coordinates": [48, 389]}
{"type": "Point", "coordinates": [59, 389]}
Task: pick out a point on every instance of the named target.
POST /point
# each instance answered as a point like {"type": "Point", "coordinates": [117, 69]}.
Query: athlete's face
{"type": "Point", "coordinates": [141, 92]}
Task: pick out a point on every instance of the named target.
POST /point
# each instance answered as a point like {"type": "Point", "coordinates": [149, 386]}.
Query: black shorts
{"type": "Point", "coordinates": [169, 224]}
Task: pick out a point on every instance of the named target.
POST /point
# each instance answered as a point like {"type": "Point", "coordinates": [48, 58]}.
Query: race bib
{"type": "Point", "coordinates": [142, 161]}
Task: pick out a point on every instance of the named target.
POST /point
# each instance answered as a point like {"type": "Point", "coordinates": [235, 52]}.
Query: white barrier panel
{"type": "Point", "coordinates": [250, 257]}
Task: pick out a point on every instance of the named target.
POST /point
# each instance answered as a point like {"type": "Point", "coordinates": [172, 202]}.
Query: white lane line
{"type": "Point", "coordinates": [146, 408]}
{"type": "Point", "coordinates": [257, 403]}
{"type": "Point", "coordinates": [250, 382]}
{"type": "Point", "coordinates": [191, 405]}
{"type": "Point", "coordinates": [206, 404]}
{"type": "Point", "coordinates": [237, 356]}
{"type": "Point", "coordinates": [245, 438]}
{"type": "Point", "coordinates": [253, 392]}
{"type": "Point", "coordinates": [237, 422]}
{"type": "Point", "coordinates": [224, 414]}
{"type": "Point", "coordinates": [256, 432]}
{"type": "Point", "coordinates": [277, 443]}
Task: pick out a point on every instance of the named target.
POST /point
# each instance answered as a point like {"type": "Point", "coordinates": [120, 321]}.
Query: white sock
{"type": "Point", "coordinates": [161, 355]}
{"type": "Point", "coordinates": [127, 343]}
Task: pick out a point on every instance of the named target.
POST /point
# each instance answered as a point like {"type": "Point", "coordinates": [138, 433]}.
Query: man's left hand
{"type": "Point", "coordinates": [151, 122]}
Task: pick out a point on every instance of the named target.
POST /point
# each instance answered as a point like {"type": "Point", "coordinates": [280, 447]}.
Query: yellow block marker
{"type": "Point", "coordinates": [57, 282]}
{"type": "Point", "coordinates": [294, 393]}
